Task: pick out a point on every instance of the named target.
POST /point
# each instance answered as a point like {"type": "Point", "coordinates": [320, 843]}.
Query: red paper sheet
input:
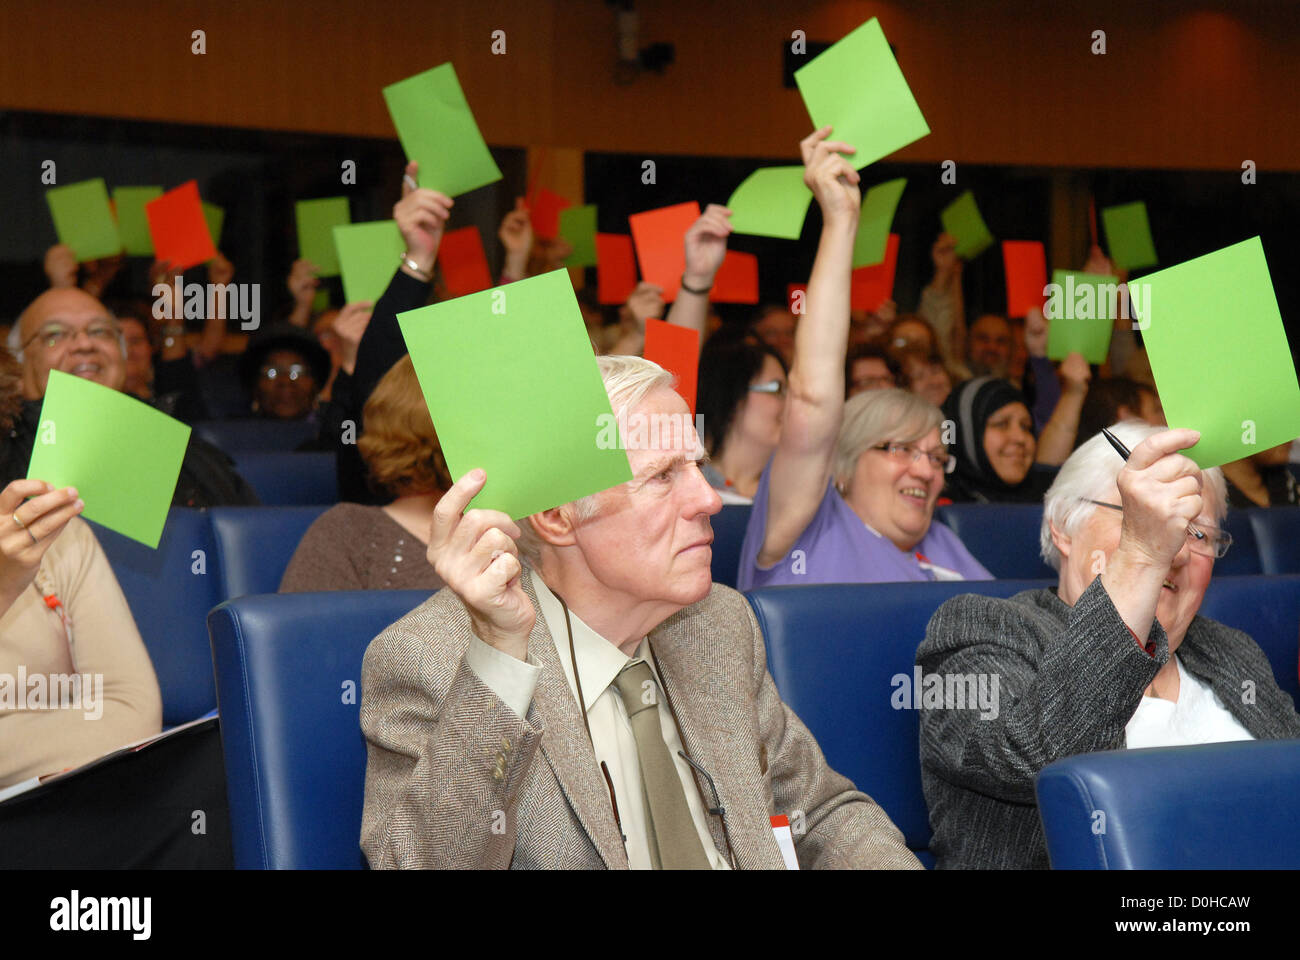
{"type": "Point", "coordinates": [544, 212]}
{"type": "Point", "coordinates": [677, 350]}
{"type": "Point", "coordinates": [179, 231]}
{"type": "Point", "coordinates": [737, 279]}
{"type": "Point", "coordinates": [1025, 262]}
{"type": "Point", "coordinates": [872, 286]}
{"type": "Point", "coordinates": [463, 262]}
{"type": "Point", "coordinates": [615, 268]}
{"type": "Point", "coordinates": [658, 236]}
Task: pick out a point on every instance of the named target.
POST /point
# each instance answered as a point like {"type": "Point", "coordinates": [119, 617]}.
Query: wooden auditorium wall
{"type": "Point", "coordinates": [1181, 85]}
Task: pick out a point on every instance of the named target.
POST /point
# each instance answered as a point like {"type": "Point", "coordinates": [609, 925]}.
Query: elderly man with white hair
{"type": "Point", "coordinates": [1114, 657]}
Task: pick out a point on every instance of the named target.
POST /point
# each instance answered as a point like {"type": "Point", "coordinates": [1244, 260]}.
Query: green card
{"type": "Point", "coordinates": [369, 254]}
{"type": "Point", "coordinates": [321, 302]}
{"type": "Point", "coordinates": [856, 88]}
{"type": "Point", "coordinates": [1080, 309]}
{"type": "Point", "coordinates": [1219, 352]}
{"type": "Point", "coordinates": [215, 217]}
{"type": "Point", "coordinates": [438, 131]}
{"type": "Point", "coordinates": [535, 416]}
{"type": "Point", "coordinates": [771, 202]}
{"type": "Point", "coordinates": [122, 455]}
{"type": "Point", "coordinates": [83, 219]}
{"type": "Point", "coordinates": [1128, 236]}
{"type": "Point", "coordinates": [132, 223]}
{"type": "Point", "coordinates": [316, 222]}
{"type": "Point", "coordinates": [578, 229]}
{"type": "Point", "coordinates": [962, 219]}
{"type": "Point", "coordinates": [877, 217]}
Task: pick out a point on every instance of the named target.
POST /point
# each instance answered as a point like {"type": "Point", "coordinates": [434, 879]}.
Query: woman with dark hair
{"type": "Point", "coordinates": [284, 368]}
{"type": "Point", "coordinates": [742, 402]}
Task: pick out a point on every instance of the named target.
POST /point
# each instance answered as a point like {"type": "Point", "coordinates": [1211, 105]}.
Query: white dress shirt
{"type": "Point", "coordinates": [514, 681]}
{"type": "Point", "coordinates": [1197, 716]}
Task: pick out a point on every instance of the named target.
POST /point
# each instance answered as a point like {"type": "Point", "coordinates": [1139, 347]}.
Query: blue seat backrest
{"type": "Point", "coordinates": [833, 651]}
{"type": "Point", "coordinates": [728, 535]}
{"type": "Point", "coordinates": [170, 591]}
{"type": "Point", "coordinates": [1243, 558]}
{"type": "Point", "coordinates": [1267, 608]}
{"type": "Point", "coordinates": [255, 544]}
{"type": "Point", "coordinates": [1213, 806]}
{"type": "Point", "coordinates": [1002, 536]}
{"type": "Point", "coordinates": [289, 686]}
{"type": "Point", "coordinates": [290, 479]}
{"type": "Point", "coordinates": [1277, 530]}
{"type": "Point", "coordinates": [239, 436]}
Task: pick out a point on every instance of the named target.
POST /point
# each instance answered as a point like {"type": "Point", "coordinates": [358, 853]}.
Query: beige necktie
{"type": "Point", "coordinates": [674, 841]}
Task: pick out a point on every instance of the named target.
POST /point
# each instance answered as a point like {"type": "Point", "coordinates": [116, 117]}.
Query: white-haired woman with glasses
{"type": "Point", "coordinates": [1115, 656]}
{"type": "Point", "coordinates": [849, 494]}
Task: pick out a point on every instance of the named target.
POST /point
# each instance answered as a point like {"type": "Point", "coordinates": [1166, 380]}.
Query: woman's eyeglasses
{"type": "Point", "coordinates": [768, 386]}
{"type": "Point", "coordinates": [939, 458]}
{"type": "Point", "coordinates": [1207, 541]}
{"type": "Point", "coordinates": [294, 371]}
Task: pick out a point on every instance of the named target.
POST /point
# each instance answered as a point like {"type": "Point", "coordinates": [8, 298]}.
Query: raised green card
{"type": "Point", "coordinates": [83, 219]}
{"type": "Point", "coordinates": [962, 219]}
{"type": "Point", "coordinates": [578, 230]}
{"type": "Point", "coordinates": [316, 222]}
{"type": "Point", "coordinates": [1080, 311]}
{"type": "Point", "coordinates": [877, 217]}
{"type": "Point", "coordinates": [1128, 236]}
{"type": "Point", "coordinates": [215, 217]}
{"type": "Point", "coordinates": [513, 388]}
{"type": "Point", "coordinates": [369, 254]}
{"type": "Point", "coordinates": [132, 224]}
{"type": "Point", "coordinates": [771, 202]}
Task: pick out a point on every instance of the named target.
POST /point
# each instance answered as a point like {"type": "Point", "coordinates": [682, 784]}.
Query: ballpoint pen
{"type": "Point", "coordinates": [1124, 452]}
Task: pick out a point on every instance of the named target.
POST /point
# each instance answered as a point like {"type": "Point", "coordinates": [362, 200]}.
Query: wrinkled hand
{"type": "Point", "coordinates": [516, 231]}
{"type": "Point", "coordinates": [1161, 493]}
{"type": "Point", "coordinates": [45, 515]}
{"type": "Point", "coordinates": [302, 282]}
{"type": "Point", "coordinates": [475, 554]}
{"type": "Point", "coordinates": [220, 270]}
{"type": "Point", "coordinates": [421, 216]}
{"type": "Point", "coordinates": [349, 325]}
{"type": "Point", "coordinates": [706, 246]}
{"type": "Point", "coordinates": [831, 178]}
{"type": "Point", "coordinates": [646, 301]}
{"type": "Point", "coordinates": [1074, 373]}
{"type": "Point", "coordinates": [1036, 329]}
{"type": "Point", "coordinates": [61, 266]}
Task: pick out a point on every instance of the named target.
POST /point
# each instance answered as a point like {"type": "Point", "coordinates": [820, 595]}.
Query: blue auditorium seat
{"type": "Point", "coordinates": [1243, 557]}
{"type": "Point", "coordinates": [290, 479]}
{"type": "Point", "coordinates": [1277, 530]}
{"type": "Point", "coordinates": [1214, 806]}
{"type": "Point", "coordinates": [832, 650]}
{"type": "Point", "coordinates": [1267, 608]}
{"type": "Point", "coordinates": [289, 685]}
{"type": "Point", "coordinates": [1002, 536]}
{"type": "Point", "coordinates": [728, 536]}
{"type": "Point", "coordinates": [170, 591]}
{"type": "Point", "coordinates": [255, 544]}
{"type": "Point", "coordinates": [252, 434]}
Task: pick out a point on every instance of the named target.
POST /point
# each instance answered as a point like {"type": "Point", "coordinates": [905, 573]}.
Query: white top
{"type": "Point", "coordinates": [514, 681]}
{"type": "Point", "coordinates": [1198, 716]}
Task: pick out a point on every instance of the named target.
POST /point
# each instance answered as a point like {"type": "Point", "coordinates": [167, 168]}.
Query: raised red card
{"type": "Point", "coordinates": [737, 279]}
{"type": "Point", "coordinates": [677, 350]}
{"type": "Point", "coordinates": [1025, 262]}
{"type": "Point", "coordinates": [615, 268]}
{"type": "Point", "coordinates": [659, 237]}
{"type": "Point", "coordinates": [872, 286]}
{"type": "Point", "coordinates": [544, 212]}
{"type": "Point", "coordinates": [179, 231]}
{"type": "Point", "coordinates": [463, 263]}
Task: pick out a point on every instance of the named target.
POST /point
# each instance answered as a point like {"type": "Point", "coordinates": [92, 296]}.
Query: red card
{"type": "Point", "coordinates": [544, 211]}
{"type": "Point", "coordinates": [737, 279]}
{"type": "Point", "coordinates": [798, 305]}
{"type": "Point", "coordinates": [658, 235]}
{"type": "Point", "coordinates": [615, 268]}
{"type": "Point", "coordinates": [677, 350]}
{"type": "Point", "coordinates": [180, 234]}
{"type": "Point", "coordinates": [464, 265]}
{"type": "Point", "coordinates": [1026, 265]}
{"type": "Point", "coordinates": [872, 286]}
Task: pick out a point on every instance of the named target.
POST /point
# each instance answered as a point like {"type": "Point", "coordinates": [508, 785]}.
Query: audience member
{"type": "Point", "coordinates": [284, 368]}
{"type": "Point", "coordinates": [869, 367]}
{"type": "Point", "coordinates": [1114, 399]}
{"type": "Point", "coordinates": [925, 375]}
{"type": "Point", "coordinates": [1262, 480]}
{"type": "Point", "coordinates": [989, 347]}
{"type": "Point", "coordinates": [941, 303]}
{"type": "Point", "coordinates": [775, 325]}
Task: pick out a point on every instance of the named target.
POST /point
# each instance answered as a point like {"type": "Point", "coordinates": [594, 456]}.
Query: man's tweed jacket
{"type": "Point", "coordinates": [1070, 679]}
{"type": "Point", "coordinates": [455, 778]}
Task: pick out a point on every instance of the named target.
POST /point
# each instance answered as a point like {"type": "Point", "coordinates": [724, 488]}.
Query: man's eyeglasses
{"type": "Point", "coordinates": [54, 335]}
{"type": "Point", "coordinates": [910, 453]}
{"type": "Point", "coordinates": [1207, 541]}
{"type": "Point", "coordinates": [768, 386]}
{"type": "Point", "coordinates": [295, 371]}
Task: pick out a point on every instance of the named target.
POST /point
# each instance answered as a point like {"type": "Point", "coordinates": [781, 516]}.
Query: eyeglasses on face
{"type": "Point", "coordinates": [55, 335]}
{"type": "Point", "coordinates": [768, 386]}
{"type": "Point", "coordinates": [939, 458]}
{"type": "Point", "coordinates": [294, 372]}
{"type": "Point", "coordinates": [1207, 541]}
{"type": "Point", "coordinates": [873, 383]}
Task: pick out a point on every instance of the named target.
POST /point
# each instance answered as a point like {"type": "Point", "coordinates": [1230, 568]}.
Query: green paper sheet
{"type": "Point", "coordinates": [1128, 236]}
{"type": "Point", "coordinates": [215, 217]}
{"type": "Point", "coordinates": [578, 229]}
{"type": "Point", "coordinates": [132, 223]}
{"type": "Point", "coordinates": [316, 222]}
{"type": "Point", "coordinates": [321, 302]}
{"type": "Point", "coordinates": [771, 202]}
{"type": "Point", "coordinates": [83, 219]}
{"type": "Point", "coordinates": [877, 217]}
{"type": "Point", "coordinates": [122, 455]}
{"type": "Point", "coordinates": [962, 219]}
{"type": "Point", "coordinates": [513, 388]}
{"type": "Point", "coordinates": [1219, 353]}
{"type": "Point", "coordinates": [369, 254]}
{"type": "Point", "coordinates": [438, 131]}
{"type": "Point", "coordinates": [857, 88]}
{"type": "Point", "coordinates": [1081, 315]}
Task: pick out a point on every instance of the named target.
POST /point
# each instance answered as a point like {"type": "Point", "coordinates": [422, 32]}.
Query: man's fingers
{"type": "Point", "coordinates": [475, 523]}
{"type": "Point", "coordinates": [1161, 444]}
{"type": "Point", "coordinates": [447, 513]}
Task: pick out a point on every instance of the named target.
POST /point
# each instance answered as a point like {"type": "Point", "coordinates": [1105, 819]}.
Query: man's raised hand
{"type": "Point", "coordinates": [421, 216]}
{"type": "Point", "coordinates": [831, 178]}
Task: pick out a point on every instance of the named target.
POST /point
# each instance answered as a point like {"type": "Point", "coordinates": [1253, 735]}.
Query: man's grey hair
{"type": "Point", "coordinates": [878, 416]}
{"type": "Point", "coordinates": [1090, 474]}
{"type": "Point", "coordinates": [627, 381]}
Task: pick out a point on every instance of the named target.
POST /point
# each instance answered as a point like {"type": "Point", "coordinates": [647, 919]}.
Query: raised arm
{"type": "Point", "coordinates": [801, 466]}
{"type": "Point", "coordinates": [706, 247]}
